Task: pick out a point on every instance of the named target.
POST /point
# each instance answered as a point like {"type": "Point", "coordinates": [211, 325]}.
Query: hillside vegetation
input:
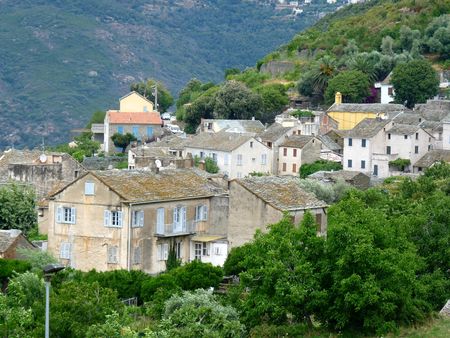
{"type": "Point", "coordinates": [61, 60]}
{"type": "Point", "coordinates": [346, 51]}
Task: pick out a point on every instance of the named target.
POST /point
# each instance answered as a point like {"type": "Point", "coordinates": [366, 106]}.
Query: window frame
{"type": "Point", "coordinates": [65, 250]}
{"type": "Point", "coordinates": [112, 254]}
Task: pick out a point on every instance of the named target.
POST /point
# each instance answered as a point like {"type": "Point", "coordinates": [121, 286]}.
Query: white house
{"type": "Point", "coordinates": [232, 126]}
{"type": "Point", "coordinates": [237, 155]}
{"type": "Point", "coordinates": [386, 90]}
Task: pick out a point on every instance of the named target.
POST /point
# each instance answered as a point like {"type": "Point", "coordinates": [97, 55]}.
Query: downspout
{"type": "Point", "coordinates": [129, 239]}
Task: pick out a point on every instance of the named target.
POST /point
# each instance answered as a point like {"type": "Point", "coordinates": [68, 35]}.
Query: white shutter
{"type": "Point", "coordinates": [159, 252]}
{"type": "Point", "coordinates": [175, 215]}
{"type": "Point", "coordinates": [141, 218]}
{"type": "Point", "coordinates": [133, 218]}
{"type": "Point", "coordinates": [59, 215]}
{"type": "Point", "coordinates": [183, 217]}
{"type": "Point", "coordinates": [166, 251]}
{"type": "Point", "coordinates": [73, 215]}
{"type": "Point", "coordinates": [205, 212]}
{"type": "Point", "coordinates": [160, 221]}
{"type": "Point", "coordinates": [65, 250]}
{"type": "Point", "coordinates": [106, 218]}
{"type": "Point", "coordinates": [119, 217]}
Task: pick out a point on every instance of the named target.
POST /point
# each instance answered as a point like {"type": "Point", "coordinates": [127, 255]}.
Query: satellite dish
{"type": "Point", "coordinates": [158, 163]}
{"type": "Point", "coordinates": [43, 158]}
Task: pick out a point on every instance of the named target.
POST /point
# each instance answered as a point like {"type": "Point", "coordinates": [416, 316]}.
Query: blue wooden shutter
{"type": "Point", "coordinates": [73, 215]}
{"type": "Point", "coordinates": [106, 218]}
{"type": "Point", "coordinates": [59, 214]}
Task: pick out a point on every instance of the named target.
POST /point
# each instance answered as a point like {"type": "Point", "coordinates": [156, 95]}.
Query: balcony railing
{"type": "Point", "coordinates": [173, 229]}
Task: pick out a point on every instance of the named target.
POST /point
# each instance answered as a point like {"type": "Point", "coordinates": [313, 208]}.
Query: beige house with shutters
{"type": "Point", "coordinates": [295, 151]}
{"type": "Point", "coordinates": [120, 219]}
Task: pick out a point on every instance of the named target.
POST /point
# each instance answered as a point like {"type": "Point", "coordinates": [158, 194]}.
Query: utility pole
{"type": "Point", "coordinates": [155, 94]}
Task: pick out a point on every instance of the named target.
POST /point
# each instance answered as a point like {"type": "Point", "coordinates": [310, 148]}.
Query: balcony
{"type": "Point", "coordinates": [173, 229]}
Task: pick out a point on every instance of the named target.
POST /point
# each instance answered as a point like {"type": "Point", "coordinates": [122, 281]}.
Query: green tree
{"type": "Point", "coordinates": [322, 72]}
{"type": "Point", "coordinates": [414, 82]}
{"type": "Point", "coordinates": [352, 84]}
{"type": "Point", "coordinates": [123, 140]}
{"type": "Point", "coordinates": [211, 166]}
{"type": "Point", "coordinates": [17, 207]}
{"type": "Point", "coordinates": [172, 261]}
{"type": "Point", "coordinates": [438, 36]}
{"type": "Point", "coordinates": [147, 89]}
{"type": "Point", "coordinates": [97, 117]}
{"type": "Point", "coordinates": [319, 165]}
{"type": "Point", "coordinates": [407, 38]}
{"type": "Point", "coordinates": [199, 314]}
{"type": "Point", "coordinates": [202, 107]}
{"type": "Point", "coordinates": [274, 99]}
{"type": "Point", "coordinates": [235, 101]}
{"type": "Point", "coordinates": [327, 192]}
{"type": "Point", "coordinates": [231, 71]}
{"type": "Point", "coordinates": [37, 258]}
{"type": "Point", "coordinates": [306, 84]}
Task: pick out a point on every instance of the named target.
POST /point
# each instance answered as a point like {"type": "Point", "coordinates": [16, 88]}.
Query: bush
{"type": "Point", "coordinates": [319, 165]}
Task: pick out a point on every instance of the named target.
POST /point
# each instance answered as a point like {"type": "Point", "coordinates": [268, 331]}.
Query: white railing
{"type": "Point", "coordinates": [173, 229]}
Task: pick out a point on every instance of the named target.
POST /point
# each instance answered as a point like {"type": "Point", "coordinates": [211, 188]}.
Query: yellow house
{"type": "Point", "coordinates": [348, 115]}
{"type": "Point", "coordinates": [135, 102]}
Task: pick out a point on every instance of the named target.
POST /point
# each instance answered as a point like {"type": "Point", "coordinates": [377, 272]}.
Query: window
{"type": "Point", "coordinates": [65, 215]}
{"type": "Point", "coordinates": [417, 136]}
{"type": "Point", "coordinates": [179, 219]}
{"type": "Point", "coordinates": [294, 152]}
{"type": "Point", "coordinates": [201, 213]}
{"type": "Point", "coordinates": [349, 163]}
{"type": "Point", "coordinates": [202, 154]}
{"type": "Point", "coordinates": [160, 220]}
{"type": "Point", "coordinates": [135, 130]}
{"type": "Point", "coordinates": [284, 166]}
{"type": "Point", "coordinates": [350, 142]}
{"type": "Point", "coordinates": [294, 168]}
{"type": "Point", "coordinates": [363, 143]}
{"type": "Point", "coordinates": [137, 218]}
{"type": "Point", "coordinates": [65, 250]}
{"type": "Point", "coordinates": [405, 137]}
{"type": "Point", "coordinates": [137, 255]}
{"type": "Point", "coordinates": [112, 254]}
{"type": "Point", "coordinates": [89, 188]}
{"type": "Point", "coordinates": [388, 150]}
{"type": "Point", "coordinates": [253, 160]}
{"type": "Point", "coordinates": [214, 157]}
{"type": "Point", "coordinates": [205, 251]}
{"type": "Point", "coordinates": [120, 129]}
{"type": "Point", "coordinates": [239, 159]}
{"type": "Point", "coordinates": [263, 159]}
{"type": "Point", "coordinates": [390, 91]}
{"type": "Point", "coordinates": [145, 109]}
{"type": "Point", "coordinates": [112, 218]}
{"type": "Point", "coordinates": [149, 131]}
{"type": "Point", "coordinates": [416, 149]}
{"type": "Point", "coordinates": [217, 251]}
{"type": "Point", "coordinates": [76, 173]}
{"type": "Point", "coordinates": [363, 164]}
{"type": "Point", "coordinates": [269, 144]}
{"type": "Point", "coordinates": [162, 252]}
{"type": "Point", "coordinates": [284, 151]}
{"type": "Point", "coordinates": [198, 251]}
{"type": "Point", "coordinates": [389, 136]}
{"type": "Point", "coordinates": [178, 249]}
{"type": "Point", "coordinates": [251, 144]}
{"type": "Point", "coordinates": [225, 159]}
{"type": "Point", "coordinates": [239, 174]}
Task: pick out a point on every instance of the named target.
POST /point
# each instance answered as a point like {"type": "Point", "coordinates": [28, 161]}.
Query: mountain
{"type": "Point", "coordinates": [60, 60]}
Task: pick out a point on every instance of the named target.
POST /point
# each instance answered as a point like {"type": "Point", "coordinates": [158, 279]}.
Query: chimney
{"type": "Point", "coordinates": [338, 98]}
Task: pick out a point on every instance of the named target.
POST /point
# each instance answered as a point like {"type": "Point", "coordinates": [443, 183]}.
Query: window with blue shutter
{"type": "Point", "coordinates": [149, 131]}
{"type": "Point", "coordinates": [136, 131]}
{"type": "Point", "coordinates": [65, 215]}
{"type": "Point", "coordinates": [120, 129]}
{"type": "Point", "coordinates": [89, 188]}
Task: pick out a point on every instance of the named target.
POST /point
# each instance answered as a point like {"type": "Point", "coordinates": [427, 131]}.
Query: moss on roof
{"type": "Point", "coordinates": [297, 141]}
{"type": "Point", "coordinates": [221, 141]}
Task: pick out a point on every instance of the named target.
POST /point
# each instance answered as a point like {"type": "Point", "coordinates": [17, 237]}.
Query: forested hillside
{"type": "Point", "coordinates": [60, 60]}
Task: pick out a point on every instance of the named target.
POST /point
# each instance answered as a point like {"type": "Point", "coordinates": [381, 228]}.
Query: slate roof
{"type": "Point", "coordinates": [146, 186]}
{"type": "Point", "coordinates": [367, 128]}
{"type": "Point", "coordinates": [116, 117]}
{"type": "Point", "coordinates": [172, 142]}
{"type": "Point", "coordinates": [403, 129]}
{"type": "Point", "coordinates": [238, 126]}
{"type": "Point", "coordinates": [346, 175]}
{"type": "Point", "coordinates": [221, 141]}
{"type": "Point", "coordinates": [328, 142]}
{"type": "Point", "coordinates": [151, 152]}
{"type": "Point", "coordinates": [433, 156]}
{"type": "Point", "coordinates": [297, 141]}
{"type": "Point", "coordinates": [274, 132]}
{"type": "Point", "coordinates": [368, 108]}
{"type": "Point", "coordinates": [7, 238]}
{"type": "Point", "coordinates": [282, 192]}
{"type": "Point", "coordinates": [433, 110]}
{"type": "Point", "coordinates": [407, 118]}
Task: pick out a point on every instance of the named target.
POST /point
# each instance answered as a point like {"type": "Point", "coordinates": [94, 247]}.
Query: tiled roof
{"type": "Point", "coordinates": [297, 141]}
{"type": "Point", "coordinates": [283, 193]}
{"type": "Point", "coordinates": [239, 126]}
{"type": "Point", "coordinates": [328, 142]}
{"type": "Point", "coordinates": [221, 141]}
{"type": "Point", "coordinates": [274, 132]}
{"type": "Point", "coordinates": [116, 117]}
{"type": "Point", "coordinates": [368, 107]}
{"type": "Point", "coordinates": [147, 186]}
{"type": "Point", "coordinates": [367, 128]}
{"type": "Point", "coordinates": [433, 156]}
{"type": "Point", "coordinates": [403, 129]}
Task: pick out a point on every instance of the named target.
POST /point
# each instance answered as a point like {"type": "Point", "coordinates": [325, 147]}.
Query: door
{"type": "Point", "coordinates": [160, 221]}
{"type": "Point", "coordinates": [375, 170]}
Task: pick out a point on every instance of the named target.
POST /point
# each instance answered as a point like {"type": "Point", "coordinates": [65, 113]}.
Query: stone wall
{"type": "Point", "coordinates": [277, 67]}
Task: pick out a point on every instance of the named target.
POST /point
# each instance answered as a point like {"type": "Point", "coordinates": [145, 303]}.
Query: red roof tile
{"type": "Point", "coordinates": [134, 117]}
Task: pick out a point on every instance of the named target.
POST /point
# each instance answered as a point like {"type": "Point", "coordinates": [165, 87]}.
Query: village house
{"type": "Point", "coordinates": [386, 90]}
{"type": "Point", "coordinates": [430, 158]}
{"type": "Point", "coordinates": [295, 151]}
{"type": "Point", "coordinates": [135, 116]}
{"type": "Point", "coordinates": [348, 115]}
{"type": "Point", "coordinates": [120, 219]}
{"type": "Point", "coordinates": [374, 143]}
{"type": "Point", "coordinates": [237, 155]}
{"type": "Point", "coordinates": [256, 202]}
{"type": "Point", "coordinates": [10, 241]}
{"type": "Point", "coordinates": [253, 127]}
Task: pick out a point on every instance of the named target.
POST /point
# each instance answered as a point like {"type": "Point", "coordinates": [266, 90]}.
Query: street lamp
{"type": "Point", "coordinates": [49, 271]}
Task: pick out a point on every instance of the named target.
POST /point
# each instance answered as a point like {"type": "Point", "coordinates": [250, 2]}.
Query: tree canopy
{"type": "Point", "coordinates": [352, 84]}
{"type": "Point", "coordinates": [123, 140]}
{"type": "Point", "coordinates": [146, 89]}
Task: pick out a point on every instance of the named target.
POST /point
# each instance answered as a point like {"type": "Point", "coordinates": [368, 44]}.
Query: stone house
{"type": "Point", "coordinates": [253, 127]}
{"type": "Point", "coordinates": [135, 116]}
{"type": "Point", "coordinates": [295, 151]}
{"type": "Point", "coordinates": [256, 202]}
{"type": "Point", "coordinates": [237, 155]}
{"type": "Point", "coordinates": [10, 241]}
{"type": "Point", "coordinates": [373, 143]}
{"type": "Point", "coordinates": [120, 219]}
{"type": "Point", "coordinates": [430, 158]}
{"type": "Point", "coordinates": [354, 178]}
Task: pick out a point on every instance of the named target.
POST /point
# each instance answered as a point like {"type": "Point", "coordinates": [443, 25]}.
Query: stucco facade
{"type": "Point", "coordinates": [291, 156]}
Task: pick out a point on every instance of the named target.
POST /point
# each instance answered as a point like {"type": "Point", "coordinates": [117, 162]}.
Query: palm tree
{"type": "Point", "coordinates": [323, 72]}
